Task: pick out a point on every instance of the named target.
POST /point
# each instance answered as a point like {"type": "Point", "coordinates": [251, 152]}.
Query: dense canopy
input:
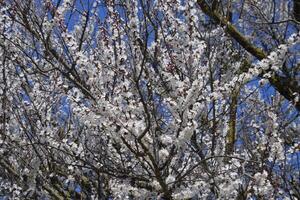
{"type": "Point", "coordinates": [149, 99]}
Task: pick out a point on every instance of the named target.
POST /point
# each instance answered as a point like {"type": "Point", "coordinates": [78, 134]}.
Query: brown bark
{"type": "Point", "coordinates": [230, 137]}
{"type": "Point", "coordinates": [297, 10]}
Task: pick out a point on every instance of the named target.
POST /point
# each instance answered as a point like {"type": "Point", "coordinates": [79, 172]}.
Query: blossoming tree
{"type": "Point", "coordinates": [149, 99]}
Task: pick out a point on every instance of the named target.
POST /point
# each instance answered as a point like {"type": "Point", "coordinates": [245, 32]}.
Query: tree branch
{"type": "Point", "coordinates": [284, 85]}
